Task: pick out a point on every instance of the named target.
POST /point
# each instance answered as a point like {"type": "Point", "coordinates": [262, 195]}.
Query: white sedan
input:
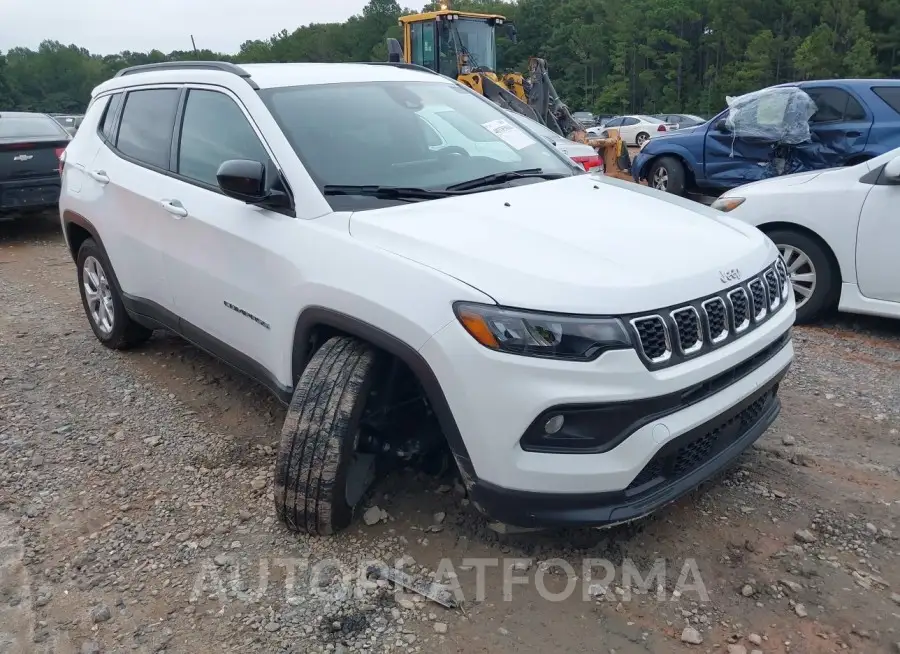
{"type": "Point", "coordinates": [635, 130]}
{"type": "Point", "coordinates": [838, 231]}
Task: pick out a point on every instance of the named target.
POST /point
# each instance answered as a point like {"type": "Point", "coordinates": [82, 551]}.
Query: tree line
{"type": "Point", "coordinates": [609, 57]}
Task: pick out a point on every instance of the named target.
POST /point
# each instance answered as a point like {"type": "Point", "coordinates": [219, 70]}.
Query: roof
{"type": "Point", "coordinates": [274, 75]}
{"type": "Point", "coordinates": [431, 15]}
{"type": "Point", "coordinates": [849, 82]}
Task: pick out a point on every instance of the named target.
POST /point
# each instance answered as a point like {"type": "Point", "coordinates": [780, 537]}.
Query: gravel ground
{"type": "Point", "coordinates": [136, 515]}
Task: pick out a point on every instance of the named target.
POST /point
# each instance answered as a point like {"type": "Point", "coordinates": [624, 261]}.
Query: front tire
{"type": "Point", "coordinates": [813, 273]}
{"type": "Point", "coordinates": [102, 301]}
{"type": "Point", "coordinates": [320, 477]}
{"type": "Point", "coordinates": [667, 174]}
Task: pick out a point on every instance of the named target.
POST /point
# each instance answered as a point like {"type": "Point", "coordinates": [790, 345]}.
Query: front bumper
{"type": "Point", "coordinates": [677, 468]}
{"type": "Point", "coordinates": [494, 399]}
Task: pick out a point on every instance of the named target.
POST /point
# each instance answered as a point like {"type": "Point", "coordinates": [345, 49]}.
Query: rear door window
{"type": "Point", "coordinates": [145, 132]}
{"type": "Point", "coordinates": [834, 104]}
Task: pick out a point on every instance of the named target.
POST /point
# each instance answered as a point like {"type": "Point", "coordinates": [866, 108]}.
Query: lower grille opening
{"type": "Point", "coordinates": [681, 457]}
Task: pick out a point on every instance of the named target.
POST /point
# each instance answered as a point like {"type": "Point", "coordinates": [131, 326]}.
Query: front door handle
{"type": "Point", "coordinates": [99, 176]}
{"type": "Point", "coordinates": [854, 134]}
{"type": "Point", "coordinates": [174, 207]}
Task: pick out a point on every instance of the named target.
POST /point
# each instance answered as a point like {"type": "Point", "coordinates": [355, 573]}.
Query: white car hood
{"type": "Point", "coordinates": [583, 244]}
{"type": "Point", "coordinates": [773, 183]}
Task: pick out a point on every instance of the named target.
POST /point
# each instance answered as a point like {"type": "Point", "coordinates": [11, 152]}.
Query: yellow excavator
{"type": "Point", "coordinates": [463, 45]}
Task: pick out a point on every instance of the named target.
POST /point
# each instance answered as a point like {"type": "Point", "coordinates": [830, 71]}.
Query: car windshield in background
{"type": "Point", "coordinates": [16, 126]}
{"type": "Point", "coordinates": [650, 119]}
{"type": "Point", "coordinates": [424, 135]}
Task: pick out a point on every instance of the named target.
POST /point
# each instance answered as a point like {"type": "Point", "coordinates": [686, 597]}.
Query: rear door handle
{"type": "Point", "coordinates": [854, 134]}
{"type": "Point", "coordinates": [99, 176]}
{"type": "Point", "coordinates": [174, 207]}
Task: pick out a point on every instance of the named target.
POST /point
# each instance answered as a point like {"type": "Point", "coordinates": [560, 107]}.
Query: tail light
{"type": "Point", "coordinates": [661, 128]}
{"type": "Point", "coordinates": [61, 155]}
{"type": "Point", "coordinates": [589, 163]}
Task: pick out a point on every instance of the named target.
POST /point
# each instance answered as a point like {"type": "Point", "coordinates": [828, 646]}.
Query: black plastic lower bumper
{"type": "Point", "coordinates": [680, 466]}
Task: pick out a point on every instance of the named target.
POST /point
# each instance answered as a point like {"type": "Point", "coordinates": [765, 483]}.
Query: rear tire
{"type": "Point", "coordinates": [667, 174]}
{"type": "Point", "coordinates": [319, 439]}
{"type": "Point", "coordinates": [815, 280]}
{"type": "Point", "coordinates": [102, 301]}
{"type": "Point", "coordinates": [641, 138]}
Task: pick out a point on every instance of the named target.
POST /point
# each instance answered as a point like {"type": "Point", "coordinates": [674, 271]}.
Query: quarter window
{"type": "Point", "coordinates": [108, 126]}
{"type": "Point", "coordinates": [214, 130]}
{"type": "Point", "coordinates": [146, 127]}
{"type": "Point", "coordinates": [890, 94]}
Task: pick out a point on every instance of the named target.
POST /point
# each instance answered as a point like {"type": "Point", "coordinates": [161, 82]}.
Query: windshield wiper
{"type": "Point", "coordinates": [499, 178]}
{"type": "Point", "coordinates": [387, 192]}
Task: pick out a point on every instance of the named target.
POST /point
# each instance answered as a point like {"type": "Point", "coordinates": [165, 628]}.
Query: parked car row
{"type": "Point", "coordinates": [853, 121]}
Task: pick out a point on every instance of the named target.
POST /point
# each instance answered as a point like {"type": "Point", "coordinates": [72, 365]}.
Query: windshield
{"type": "Point", "coordinates": [477, 39]}
{"type": "Point", "coordinates": [649, 119]}
{"type": "Point", "coordinates": [29, 126]}
{"type": "Point", "coordinates": [428, 135]}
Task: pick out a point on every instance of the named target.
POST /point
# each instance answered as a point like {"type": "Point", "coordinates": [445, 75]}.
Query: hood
{"type": "Point", "coordinates": [677, 134]}
{"type": "Point", "coordinates": [584, 244]}
{"type": "Point", "coordinates": [772, 183]}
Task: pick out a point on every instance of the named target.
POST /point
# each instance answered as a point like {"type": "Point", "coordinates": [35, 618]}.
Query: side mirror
{"type": "Point", "coordinates": [722, 126]}
{"type": "Point", "coordinates": [242, 180]}
{"type": "Point", "coordinates": [892, 170]}
{"type": "Point", "coordinates": [512, 33]}
{"type": "Point", "coordinates": [395, 51]}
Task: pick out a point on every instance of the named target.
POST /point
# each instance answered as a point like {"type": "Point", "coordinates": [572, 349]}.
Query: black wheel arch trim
{"type": "Point", "coordinates": [313, 317]}
{"type": "Point", "coordinates": [70, 217]}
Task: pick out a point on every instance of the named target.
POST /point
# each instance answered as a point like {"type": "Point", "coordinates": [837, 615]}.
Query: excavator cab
{"type": "Point", "coordinates": [462, 45]}
{"type": "Point", "coordinates": [452, 43]}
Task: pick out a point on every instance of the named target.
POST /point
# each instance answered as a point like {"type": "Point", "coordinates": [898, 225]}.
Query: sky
{"type": "Point", "coordinates": [111, 26]}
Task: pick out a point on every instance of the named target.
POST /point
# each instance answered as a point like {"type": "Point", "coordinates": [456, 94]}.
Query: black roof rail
{"type": "Point", "coordinates": [401, 64]}
{"type": "Point", "coordinates": [224, 66]}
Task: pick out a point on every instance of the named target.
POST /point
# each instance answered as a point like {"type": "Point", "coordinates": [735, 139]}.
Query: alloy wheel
{"type": "Point", "coordinates": [661, 179]}
{"type": "Point", "coordinates": [98, 295]}
{"type": "Point", "coordinates": [801, 272]}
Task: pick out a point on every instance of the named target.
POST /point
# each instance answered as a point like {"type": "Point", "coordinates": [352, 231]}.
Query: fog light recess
{"type": "Point", "coordinates": [554, 424]}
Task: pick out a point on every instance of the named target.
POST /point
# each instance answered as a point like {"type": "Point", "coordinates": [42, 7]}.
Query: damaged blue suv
{"type": "Point", "coordinates": [854, 120]}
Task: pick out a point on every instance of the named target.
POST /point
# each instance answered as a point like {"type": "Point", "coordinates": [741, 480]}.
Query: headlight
{"type": "Point", "coordinates": [727, 204]}
{"type": "Point", "coordinates": [541, 335]}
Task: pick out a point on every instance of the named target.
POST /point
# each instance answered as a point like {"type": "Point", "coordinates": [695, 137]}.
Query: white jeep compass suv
{"type": "Point", "coordinates": [588, 349]}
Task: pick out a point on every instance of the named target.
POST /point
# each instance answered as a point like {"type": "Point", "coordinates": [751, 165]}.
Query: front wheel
{"type": "Point", "coordinates": [320, 476]}
{"type": "Point", "coordinates": [813, 275]}
{"type": "Point", "coordinates": [667, 174]}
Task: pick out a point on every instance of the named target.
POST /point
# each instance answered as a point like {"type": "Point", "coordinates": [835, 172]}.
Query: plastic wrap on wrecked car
{"type": "Point", "coordinates": [768, 134]}
{"type": "Point", "coordinates": [779, 114]}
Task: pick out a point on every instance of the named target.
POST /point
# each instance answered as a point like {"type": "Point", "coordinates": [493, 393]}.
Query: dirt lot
{"type": "Point", "coordinates": [136, 515]}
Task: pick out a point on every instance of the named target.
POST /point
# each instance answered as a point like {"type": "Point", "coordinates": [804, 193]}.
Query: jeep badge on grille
{"type": "Point", "coordinates": [732, 275]}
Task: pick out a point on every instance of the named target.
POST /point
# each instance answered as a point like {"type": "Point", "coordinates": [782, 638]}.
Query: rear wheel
{"type": "Point", "coordinates": [102, 302]}
{"type": "Point", "coordinates": [813, 274]}
{"type": "Point", "coordinates": [642, 138]}
{"type": "Point", "coordinates": [667, 174]}
{"type": "Point", "coordinates": [320, 475]}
